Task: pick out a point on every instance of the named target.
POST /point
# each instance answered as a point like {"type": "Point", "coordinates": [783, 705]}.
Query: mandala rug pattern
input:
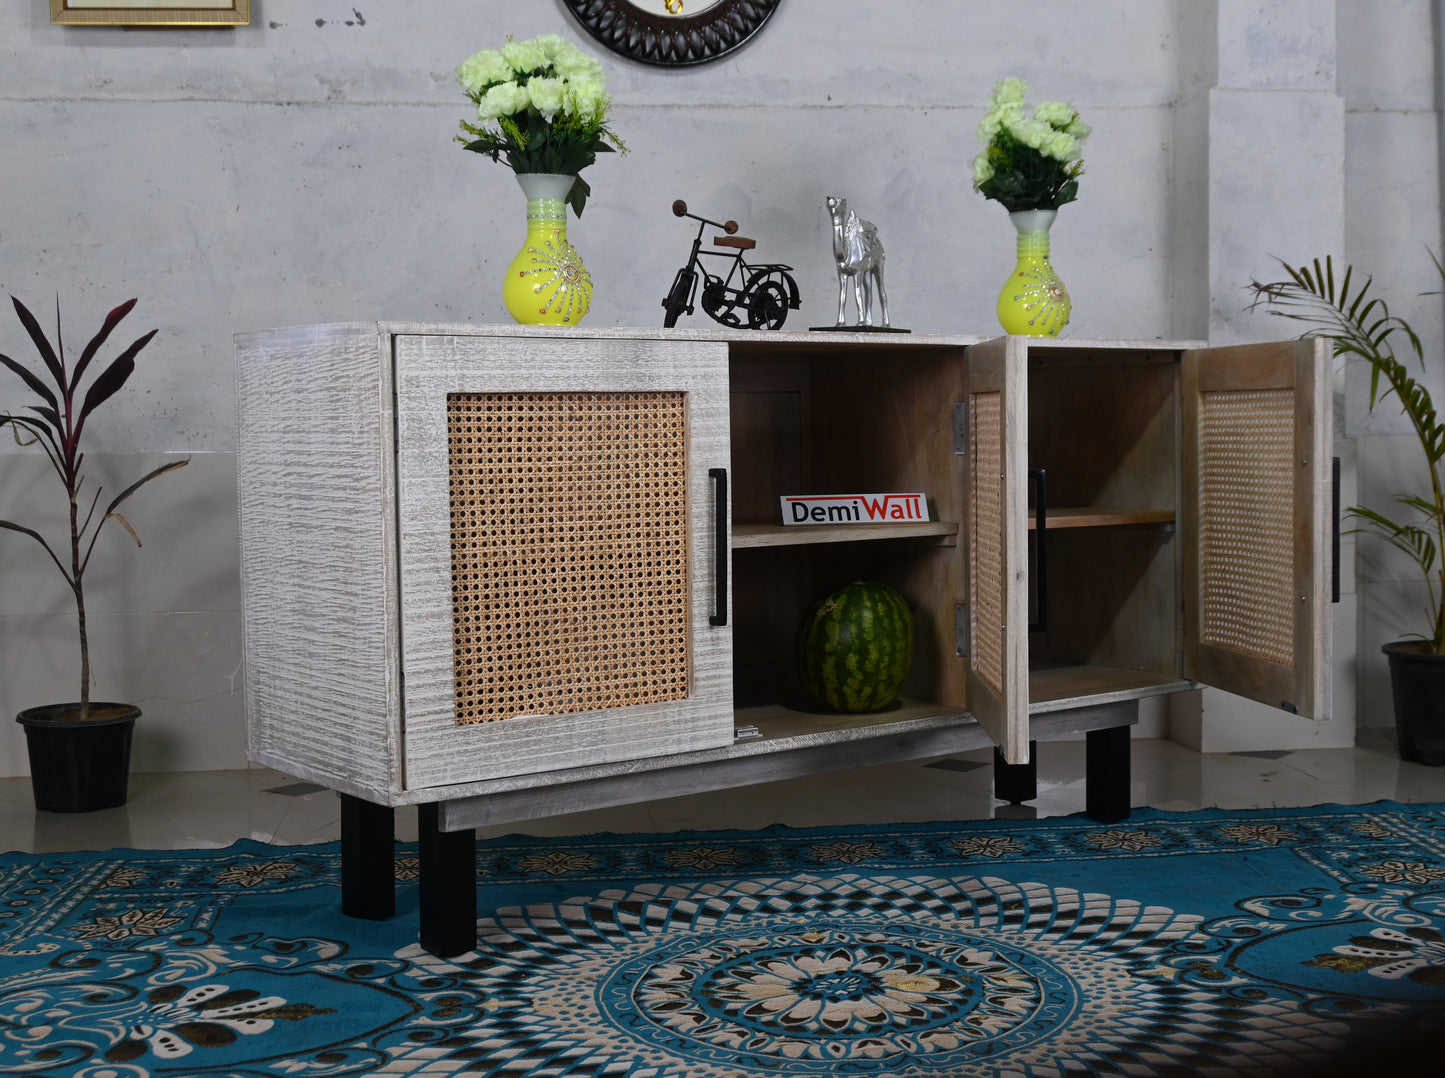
{"type": "Point", "coordinates": [1211, 943]}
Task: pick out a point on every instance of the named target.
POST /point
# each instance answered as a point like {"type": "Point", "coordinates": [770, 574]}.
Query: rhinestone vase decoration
{"type": "Point", "coordinates": [1033, 302]}
{"type": "Point", "coordinates": [547, 284]}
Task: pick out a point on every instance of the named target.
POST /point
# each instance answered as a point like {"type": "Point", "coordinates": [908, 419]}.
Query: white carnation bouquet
{"type": "Point", "coordinates": [542, 104]}
{"type": "Point", "coordinates": [1029, 162]}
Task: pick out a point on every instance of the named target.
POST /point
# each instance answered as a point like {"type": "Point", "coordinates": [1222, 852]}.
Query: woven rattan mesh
{"type": "Point", "coordinates": [985, 547]}
{"type": "Point", "coordinates": [1246, 442]}
{"type": "Point", "coordinates": [569, 551]}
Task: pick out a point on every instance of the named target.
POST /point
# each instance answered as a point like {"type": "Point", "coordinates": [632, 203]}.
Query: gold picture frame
{"type": "Point", "coordinates": [150, 13]}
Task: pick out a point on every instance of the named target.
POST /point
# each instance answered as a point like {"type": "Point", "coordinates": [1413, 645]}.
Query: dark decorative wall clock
{"type": "Point", "coordinates": [672, 32]}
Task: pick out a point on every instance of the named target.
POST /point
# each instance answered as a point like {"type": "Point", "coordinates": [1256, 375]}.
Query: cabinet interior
{"type": "Point", "coordinates": [1104, 427]}
{"type": "Point", "coordinates": [842, 422]}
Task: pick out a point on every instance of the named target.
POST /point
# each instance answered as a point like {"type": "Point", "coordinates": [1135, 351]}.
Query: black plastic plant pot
{"type": "Point", "coordinates": [1417, 681]}
{"type": "Point", "coordinates": [79, 766]}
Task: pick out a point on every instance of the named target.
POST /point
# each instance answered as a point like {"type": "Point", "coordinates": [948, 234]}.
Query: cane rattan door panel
{"type": "Point", "coordinates": [569, 552]}
{"type": "Point", "coordinates": [1256, 522]}
{"type": "Point", "coordinates": [558, 524]}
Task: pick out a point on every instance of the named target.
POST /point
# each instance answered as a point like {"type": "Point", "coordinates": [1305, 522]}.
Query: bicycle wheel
{"type": "Point", "coordinates": [677, 296]}
{"type": "Point", "coordinates": [767, 306]}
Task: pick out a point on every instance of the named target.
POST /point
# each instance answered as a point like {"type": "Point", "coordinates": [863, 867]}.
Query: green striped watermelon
{"type": "Point", "coordinates": [855, 646]}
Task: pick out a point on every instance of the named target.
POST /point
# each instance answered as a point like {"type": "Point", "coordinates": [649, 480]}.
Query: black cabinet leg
{"type": "Point", "coordinates": [368, 861]}
{"type": "Point", "coordinates": [448, 885]}
{"type": "Point", "coordinates": [1106, 775]}
{"type": "Point", "coordinates": [1016, 783]}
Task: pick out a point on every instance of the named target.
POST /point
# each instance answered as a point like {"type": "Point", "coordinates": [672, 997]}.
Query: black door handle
{"type": "Point", "coordinates": [1041, 517]}
{"type": "Point", "coordinates": [1335, 536]}
{"type": "Point", "coordinates": [720, 545]}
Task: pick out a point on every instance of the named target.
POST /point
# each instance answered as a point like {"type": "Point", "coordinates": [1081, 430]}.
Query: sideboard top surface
{"type": "Point", "coordinates": [793, 340]}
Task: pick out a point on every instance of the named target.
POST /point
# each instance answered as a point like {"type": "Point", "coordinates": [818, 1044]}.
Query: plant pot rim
{"type": "Point", "coordinates": [43, 715]}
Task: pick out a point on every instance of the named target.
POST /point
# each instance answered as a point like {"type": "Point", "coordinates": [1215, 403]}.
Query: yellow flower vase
{"type": "Point", "coordinates": [1033, 302]}
{"type": "Point", "coordinates": [547, 284]}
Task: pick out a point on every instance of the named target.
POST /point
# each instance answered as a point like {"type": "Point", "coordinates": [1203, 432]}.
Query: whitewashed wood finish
{"type": "Point", "coordinates": [1109, 344]}
{"type": "Point", "coordinates": [782, 730]}
{"type": "Point", "coordinates": [430, 366]}
{"type": "Point", "coordinates": [677, 779]}
{"type": "Point", "coordinates": [1000, 366]}
{"type": "Point", "coordinates": [325, 532]}
{"type": "Point", "coordinates": [701, 772]}
{"type": "Point", "coordinates": [318, 550]}
{"type": "Point", "coordinates": [792, 342]}
{"type": "Point", "coordinates": [1304, 367]}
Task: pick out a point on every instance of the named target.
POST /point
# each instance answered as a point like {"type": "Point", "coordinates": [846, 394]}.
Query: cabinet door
{"type": "Point", "coordinates": [559, 552]}
{"type": "Point", "coordinates": [1256, 522]}
{"type": "Point", "coordinates": [997, 425]}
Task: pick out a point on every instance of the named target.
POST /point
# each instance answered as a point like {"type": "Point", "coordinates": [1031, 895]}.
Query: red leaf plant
{"type": "Point", "coordinates": [60, 411]}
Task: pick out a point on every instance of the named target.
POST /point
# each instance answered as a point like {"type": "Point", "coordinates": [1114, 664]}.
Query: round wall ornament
{"type": "Point", "coordinates": [672, 32]}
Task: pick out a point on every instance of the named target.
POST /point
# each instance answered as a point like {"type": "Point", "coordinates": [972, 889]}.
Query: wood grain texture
{"type": "Point", "coordinates": [746, 536]}
{"type": "Point", "coordinates": [1088, 517]}
{"type": "Point", "coordinates": [1104, 426]}
{"type": "Point", "coordinates": [750, 763]}
{"type": "Point", "coordinates": [1065, 688]}
{"type": "Point", "coordinates": [702, 776]}
{"type": "Point", "coordinates": [318, 555]}
{"type": "Point", "coordinates": [884, 422]}
{"type": "Point", "coordinates": [1314, 525]}
{"type": "Point", "coordinates": [999, 368]}
{"type": "Point", "coordinates": [841, 420]}
{"type": "Point", "coordinates": [783, 729]}
{"type": "Point", "coordinates": [430, 366]}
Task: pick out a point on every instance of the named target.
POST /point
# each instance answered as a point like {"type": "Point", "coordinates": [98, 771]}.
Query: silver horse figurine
{"type": "Point", "coordinates": [859, 255]}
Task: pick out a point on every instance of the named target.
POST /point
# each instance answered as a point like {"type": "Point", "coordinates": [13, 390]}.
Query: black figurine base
{"type": "Point", "coordinates": [857, 329]}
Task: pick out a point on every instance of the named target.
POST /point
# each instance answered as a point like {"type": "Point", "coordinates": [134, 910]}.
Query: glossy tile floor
{"type": "Point", "coordinates": [211, 809]}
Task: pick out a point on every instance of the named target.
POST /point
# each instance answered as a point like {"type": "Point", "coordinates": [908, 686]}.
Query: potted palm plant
{"type": "Point", "coordinates": [1361, 326]}
{"type": "Point", "coordinates": [79, 751]}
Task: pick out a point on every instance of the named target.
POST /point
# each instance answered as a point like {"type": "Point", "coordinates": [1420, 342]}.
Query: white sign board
{"type": "Point", "coordinates": [854, 508]}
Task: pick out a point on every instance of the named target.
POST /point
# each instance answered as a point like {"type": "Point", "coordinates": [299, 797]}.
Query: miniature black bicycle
{"type": "Point", "coordinates": [758, 296]}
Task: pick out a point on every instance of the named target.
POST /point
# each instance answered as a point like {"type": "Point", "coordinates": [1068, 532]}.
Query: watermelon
{"type": "Point", "coordinates": [855, 646]}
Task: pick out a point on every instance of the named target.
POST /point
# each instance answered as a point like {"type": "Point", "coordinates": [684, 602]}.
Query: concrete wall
{"type": "Point", "coordinates": [302, 170]}
{"type": "Point", "coordinates": [1391, 78]}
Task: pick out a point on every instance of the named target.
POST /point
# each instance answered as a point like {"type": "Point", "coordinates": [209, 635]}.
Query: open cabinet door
{"type": "Point", "coordinates": [998, 676]}
{"type": "Point", "coordinates": [1257, 519]}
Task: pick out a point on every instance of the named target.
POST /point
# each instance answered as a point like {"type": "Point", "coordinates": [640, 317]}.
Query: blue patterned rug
{"type": "Point", "coordinates": [1210, 943]}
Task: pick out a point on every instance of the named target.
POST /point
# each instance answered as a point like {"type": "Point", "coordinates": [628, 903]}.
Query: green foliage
{"type": "Point", "coordinates": [62, 409]}
{"type": "Point", "coordinates": [530, 143]}
{"type": "Point", "coordinates": [1361, 326]}
{"type": "Point", "coordinates": [1028, 179]}
{"type": "Point", "coordinates": [548, 101]}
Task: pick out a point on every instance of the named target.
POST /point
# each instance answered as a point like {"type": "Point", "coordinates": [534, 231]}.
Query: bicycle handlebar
{"type": "Point", "coordinates": [679, 209]}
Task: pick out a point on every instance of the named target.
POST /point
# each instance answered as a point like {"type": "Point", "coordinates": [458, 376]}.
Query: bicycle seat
{"type": "Point", "coordinates": [740, 242]}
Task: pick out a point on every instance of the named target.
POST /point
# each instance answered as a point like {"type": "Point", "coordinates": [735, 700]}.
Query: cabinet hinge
{"type": "Point", "coordinates": [960, 629]}
{"type": "Point", "coordinates": [960, 427]}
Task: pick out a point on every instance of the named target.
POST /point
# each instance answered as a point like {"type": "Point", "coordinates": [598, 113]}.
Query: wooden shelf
{"type": "Point", "coordinates": [943, 533]}
{"type": "Point", "coordinates": [1088, 517]}
{"type": "Point", "coordinates": [1059, 687]}
{"type": "Point", "coordinates": [781, 722]}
